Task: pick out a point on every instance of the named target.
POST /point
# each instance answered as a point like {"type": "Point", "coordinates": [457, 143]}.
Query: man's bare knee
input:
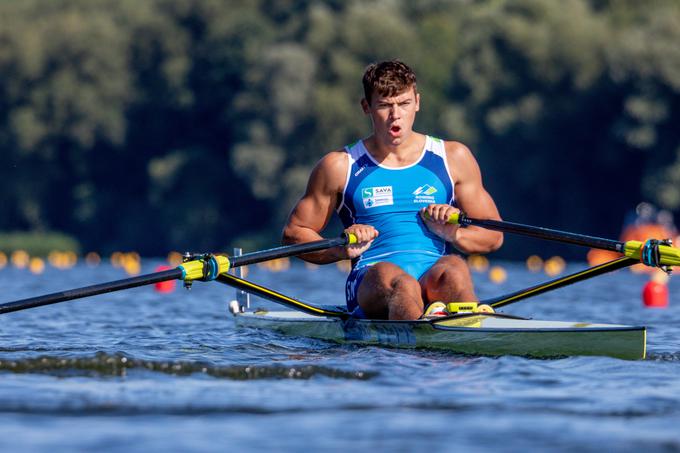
{"type": "Point", "coordinates": [405, 301]}
{"type": "Point", "coordinates": [406, 285]}
{"type": "Point", "coordinates": [449, 279]}
{"type": "Point", "coordinates": [388, 291]}
{"type": "Point", "coordinates": [449, 271]}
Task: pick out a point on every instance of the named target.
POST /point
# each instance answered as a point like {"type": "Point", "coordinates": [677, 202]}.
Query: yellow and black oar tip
{"type": "Point", "coordinates": [453, 219]}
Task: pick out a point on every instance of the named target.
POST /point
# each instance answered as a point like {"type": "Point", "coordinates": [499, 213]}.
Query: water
{"type": "Point", "coordinates": [141, 371]}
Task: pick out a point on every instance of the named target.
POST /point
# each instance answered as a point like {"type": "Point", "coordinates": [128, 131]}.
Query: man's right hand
{"type": "Point", "coordinates": [365, 235]}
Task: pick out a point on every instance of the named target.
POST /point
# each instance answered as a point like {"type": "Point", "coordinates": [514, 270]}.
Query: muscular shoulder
{"type": "Point", "coordinates": [331, 171]}
{"type": "Point", "coordinates": [334, 162]}
{"type": "Point", "coordinates": [457, 151]}
{"type": "Point", "coordinates": [461, 161]}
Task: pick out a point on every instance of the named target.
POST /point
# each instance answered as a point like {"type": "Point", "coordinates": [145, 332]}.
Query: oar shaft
{"type": "Point", "coordinates": [542, 233]}
{"type": "Point", "coordinates": [289, 250]}
{"type": "Point", "coordinates": [274, 296]}
{"type": "Point", "coordinates": [507, 299]}
{"type": "Point", "coordinates": [90, 290]}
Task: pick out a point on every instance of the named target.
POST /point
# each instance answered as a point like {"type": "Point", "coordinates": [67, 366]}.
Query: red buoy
{"type": "Point", "coordinates": [167, 286]}
{"type": "Point", "coordinates": [655, 294]}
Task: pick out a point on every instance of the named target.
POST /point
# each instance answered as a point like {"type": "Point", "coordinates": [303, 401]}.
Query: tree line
{"type": "Point", "coordinates": [193, 124]}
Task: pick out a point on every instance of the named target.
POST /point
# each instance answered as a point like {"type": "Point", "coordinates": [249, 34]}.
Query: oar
{"type": "Point", "coordinates": [516, 296]}
{"type": "Point", "coordinates": [655, 254]}
{"type": "Point", "coordinates": [291, 250]}
{"type": "Point", "coordinates": [203, 267]}
{"type": "Point", "coordinates": [270, 294]}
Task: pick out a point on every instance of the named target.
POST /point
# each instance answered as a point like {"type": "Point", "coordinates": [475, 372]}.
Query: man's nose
{"type": "Point", "coordinates": [394, 111]}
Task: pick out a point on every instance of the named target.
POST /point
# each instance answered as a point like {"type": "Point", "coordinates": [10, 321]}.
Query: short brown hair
{"type": "Point", "coordinates": [387, 78]}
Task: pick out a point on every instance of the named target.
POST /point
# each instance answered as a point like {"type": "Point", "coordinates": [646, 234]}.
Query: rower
{"type": "Point", "coordinates": [395, 191]}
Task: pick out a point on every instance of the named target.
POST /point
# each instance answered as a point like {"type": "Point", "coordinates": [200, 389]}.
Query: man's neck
{"type": "Point", "coordinates": [399, 155]}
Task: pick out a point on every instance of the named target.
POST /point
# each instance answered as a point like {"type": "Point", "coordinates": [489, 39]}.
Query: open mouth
{"type": "Point", "coordinates": [395, 130]}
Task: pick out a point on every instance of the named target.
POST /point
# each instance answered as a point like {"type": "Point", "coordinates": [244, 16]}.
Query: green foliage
{"type": "Point", "coordinates": [38, 243]}
{"type": "Point", "coordinates": [188, 124]}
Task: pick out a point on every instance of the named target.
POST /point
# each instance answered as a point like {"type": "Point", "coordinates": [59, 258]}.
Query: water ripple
{"type": "Point", "coordinates": [103, 364]}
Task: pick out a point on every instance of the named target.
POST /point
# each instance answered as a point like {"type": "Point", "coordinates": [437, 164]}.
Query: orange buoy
{"type": "Point", "coordinates": [596, 257]}
{"type": "Point", "coordinates": [36, 265]}
{"type": "Point", "coordinates": [478, 263]}
{"type": "Point", "coordinates": [497, 274]}
{"type": "Point", "coordinates": [167, 286]}
{"type": "Point", "coordinates": [655, 294]}
{"type": "Point", "coordinates": [534, 263]}
{"type": "Point", "coordinates": [93, 259]}
{"type": "Point", "coordinates": [554, 266]}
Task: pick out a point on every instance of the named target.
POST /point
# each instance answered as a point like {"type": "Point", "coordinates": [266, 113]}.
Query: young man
{"type": "Point", "coordinates": [395, 190]}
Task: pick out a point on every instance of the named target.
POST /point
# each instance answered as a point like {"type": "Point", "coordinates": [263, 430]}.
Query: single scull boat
{"type": "Point", "coordinates": [470, 332]}
{"type": "Point", "coordinates": [467, 333]}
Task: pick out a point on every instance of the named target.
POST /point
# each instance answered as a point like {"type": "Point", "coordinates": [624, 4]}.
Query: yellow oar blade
{"type": "Point", "coordinates": [669, 256]}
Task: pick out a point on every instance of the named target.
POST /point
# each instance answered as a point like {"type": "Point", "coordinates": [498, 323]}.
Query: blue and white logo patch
{"type": "Point", "coordinates": [424, 194]}
{"type": "Point", "coordinates": [377, 196]}
{"type": "Point", "coordinates": [425, 189]}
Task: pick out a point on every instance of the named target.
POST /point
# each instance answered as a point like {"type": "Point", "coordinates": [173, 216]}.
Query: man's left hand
{"type": "Point", "coordinates": [436, 216]}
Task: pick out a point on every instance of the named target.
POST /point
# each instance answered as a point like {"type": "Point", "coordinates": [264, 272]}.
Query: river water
{"type": "Point", "coordinates": [138, 370]}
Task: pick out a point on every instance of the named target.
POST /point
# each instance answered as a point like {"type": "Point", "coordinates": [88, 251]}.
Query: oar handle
{"type": "Point", "coordinates": [291, 250]}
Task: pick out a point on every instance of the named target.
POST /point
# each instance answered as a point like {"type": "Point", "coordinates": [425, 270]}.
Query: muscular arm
{"type": "Point", "coordinates": [473, 199]}
{"type": "Point", "coordinates": [311, 214]}
{"type": "Point", "coordinates": [313, 211]}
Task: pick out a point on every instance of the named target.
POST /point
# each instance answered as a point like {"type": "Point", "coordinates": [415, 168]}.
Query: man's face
{"type": "Point", "coordinates": [393, 117]}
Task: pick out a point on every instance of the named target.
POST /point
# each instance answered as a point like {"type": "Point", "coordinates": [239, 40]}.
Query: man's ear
{"type": "Point", "coordinates": [365, 106]}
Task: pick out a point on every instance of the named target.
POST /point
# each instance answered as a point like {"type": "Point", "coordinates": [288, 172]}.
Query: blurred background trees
{"type": "Point", "coordinates": [193, 124]}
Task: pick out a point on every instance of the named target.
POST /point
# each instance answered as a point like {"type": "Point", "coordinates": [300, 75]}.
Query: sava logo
{"type": "Point", "coordinates": [424, 194]}
{"type": "Point", "coordinates": [377, 196]}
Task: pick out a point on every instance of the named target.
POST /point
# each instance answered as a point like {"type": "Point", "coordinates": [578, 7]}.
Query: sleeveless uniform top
{"type": "Point", "coordinates": [390, 198]}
